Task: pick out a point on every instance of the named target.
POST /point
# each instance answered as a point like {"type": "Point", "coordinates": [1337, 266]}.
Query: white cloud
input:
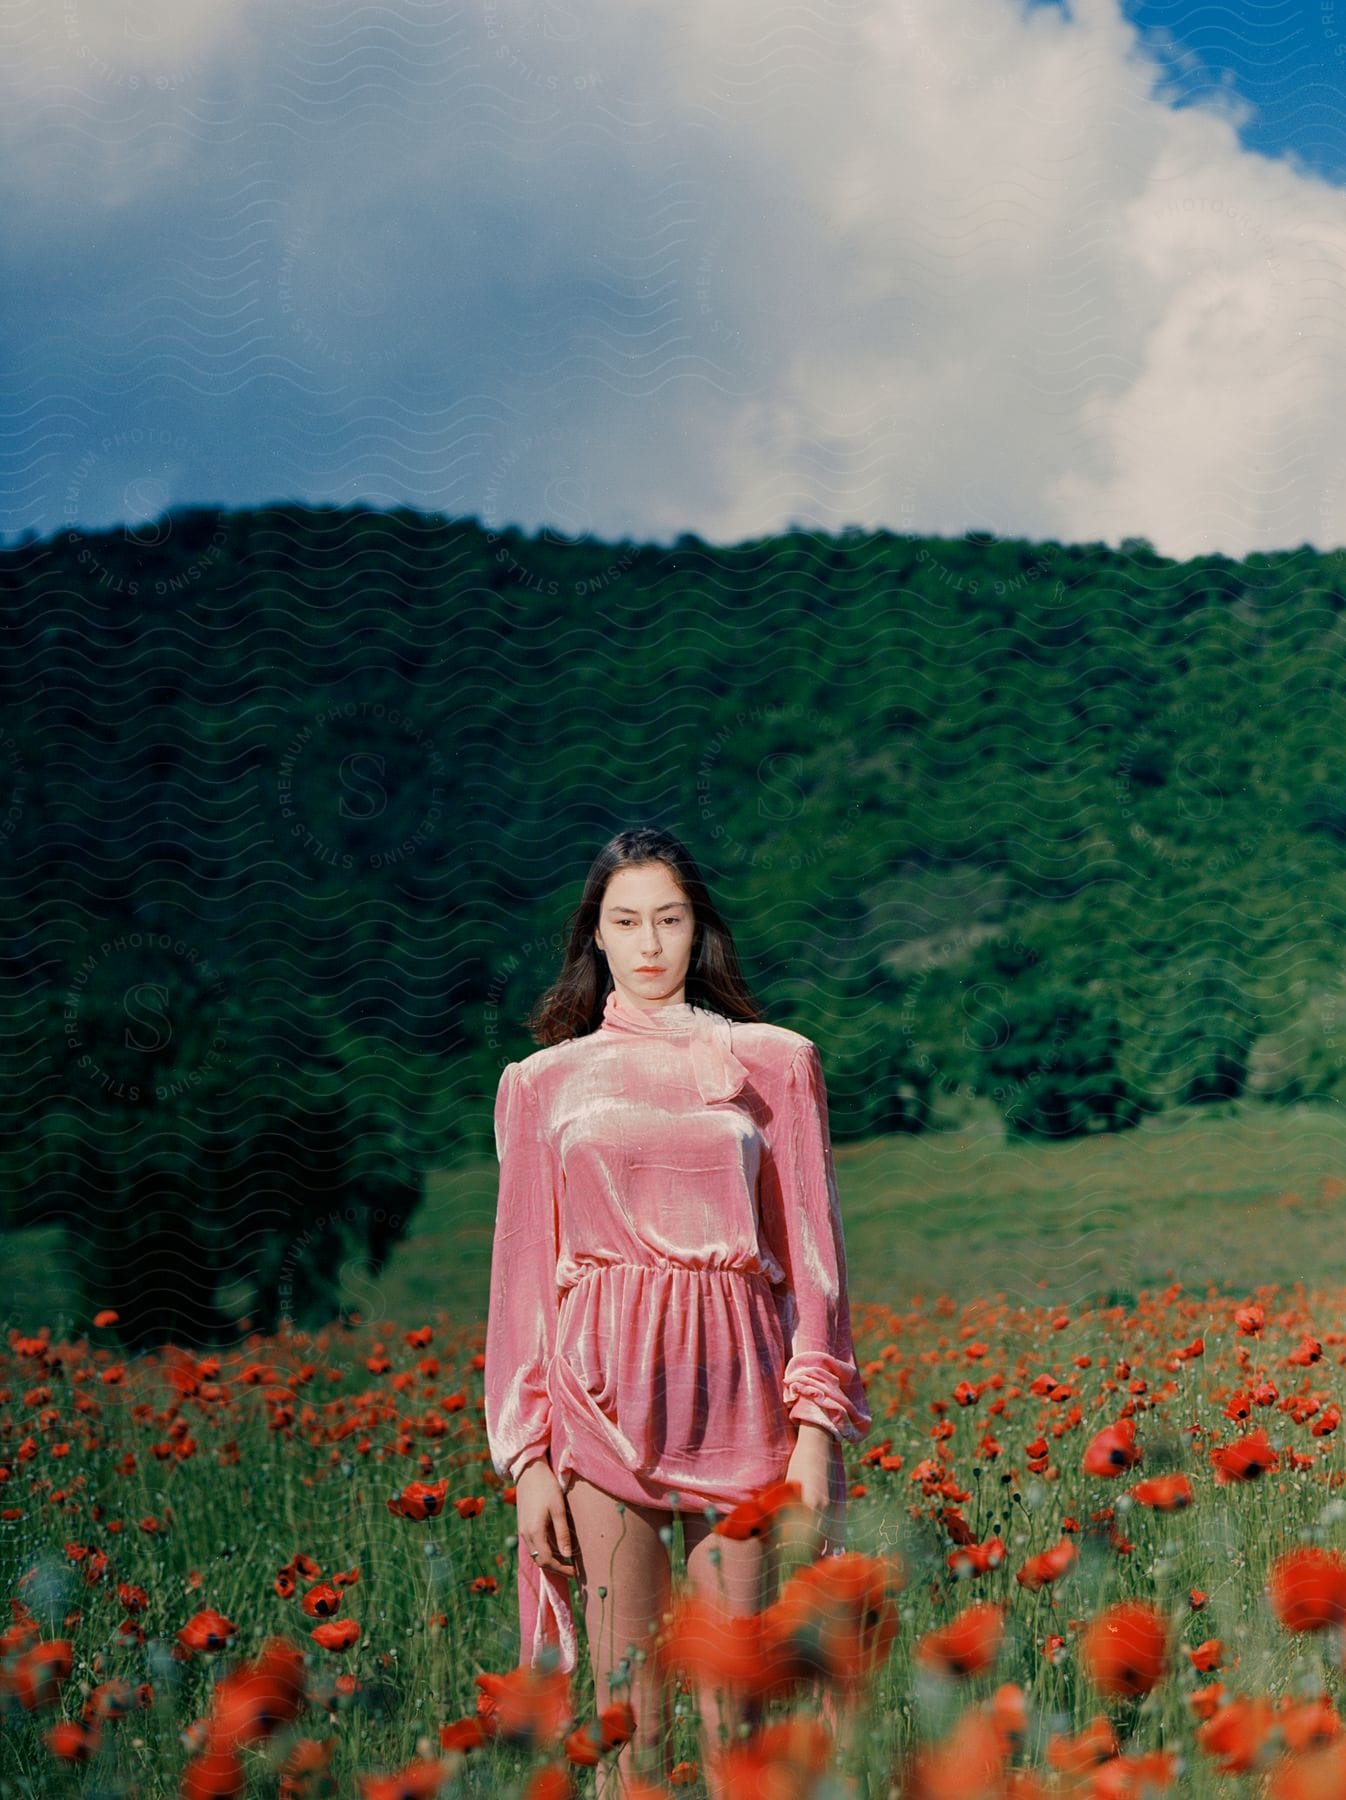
{"type": "Point", "coordinates": [713, 267]}
{"type": "Point", "coordinates": [1049, 305]}
{"type": "Point", "coordinates": [145, 42]}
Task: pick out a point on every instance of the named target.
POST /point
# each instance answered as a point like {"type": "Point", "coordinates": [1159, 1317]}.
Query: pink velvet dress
{"type": "Point", "coordinates": [668, 1278]}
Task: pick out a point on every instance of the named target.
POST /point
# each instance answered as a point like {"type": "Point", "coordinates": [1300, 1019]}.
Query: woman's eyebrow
{"type": "Point", "coordinates": [670, 906]}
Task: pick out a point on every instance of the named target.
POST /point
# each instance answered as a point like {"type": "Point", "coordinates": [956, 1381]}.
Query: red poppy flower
{"type": "Point", "coordinates": [616, 1724]}
{"type": "Point", "coordinates": [38, 1673]}
{"type": "Point", "coordinates": [1047, 1566]}
{"type": "Point", "coordinates": [1319, 1775]}
{"type": "Point", "coordinates": [303, 1769]}
{"type": "Point", "coordinates": [755, 1516]}
{"type": "Point", "coordinates": [969, 1761]}
{"type": "Point", "coordinates": [526, 1705]}
{"type": "Point", "coordinates": [463, 1734]}
{"type": "Point", "coordinates": [786, 1757]}
{"type": "Point", "coordinates": [1307, 1588]}
{"type": "Point", "coordinates": [976, 1559]}
{"type": "Point", "coordinates": [835, 1620]}
{"type": "Point", "coordinates": [420, 1500]}
{"type": "Point", "coordinates": [1165, 1493]}
{"type": "Point", "coordinates": [968, 1644]}
{"type": "Point", "coordinates": [956, 1525]}
{"type": "Point", "coordinates": [1137, 1776]}
{"type": "Point", "coordinates": [112, 1700]}
{"type": "Point", "coordinates": [1008, 1709]}
{"type": "Point", "coordinates": [582, 1745]}
{"type": "Point", "coordinates": [321, 1600]}
{"type": "Point", "coordinates": [207, 1630]}
{"type": "Point", "coordinates": [421, 1779]}
{"type": "Point", "coordinates": [1245, 1459]}
{"type": "Point", "coordinates": [705, 1642]}
{"type": "Point", "coordinates": [1113, 1450]}
{"type": "Point", "coordinates": [72, 1740]}
{"type": "Point", "coordinates": [1309, 1724]}
{"type": "Point", "coordinates": [1206, 1701]}
{"type": "Point", "coordinates": [1124, 1649]}
{"type": "Point", "coordinates": [1077, 1755]}
{"type": "Point", "coordinates": [1237, 1733]}
{"type": "Point", "coordinates": [217, 1774]}
{"type": "Point", "coordinates": [256, 1699]}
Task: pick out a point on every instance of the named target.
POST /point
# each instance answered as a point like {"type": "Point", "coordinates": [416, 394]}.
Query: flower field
{"type": "Point", "coordinates": [1092, 1552]}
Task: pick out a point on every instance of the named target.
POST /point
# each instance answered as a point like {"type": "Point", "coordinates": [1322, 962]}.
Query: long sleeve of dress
{"type": "Point", "coordinates": [521, 1317]}
{"type": "Point", "coordinates": [802, 1218]}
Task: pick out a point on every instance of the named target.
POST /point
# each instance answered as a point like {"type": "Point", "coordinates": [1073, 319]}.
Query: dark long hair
{"type": "Point", "coordinates": [573, 1005]}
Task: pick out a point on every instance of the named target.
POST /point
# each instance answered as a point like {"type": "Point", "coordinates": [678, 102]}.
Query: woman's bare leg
{"type": "Point", "coordinates": [618, 1548]}
{"type": "Point", "coordinates": [740, 1574]}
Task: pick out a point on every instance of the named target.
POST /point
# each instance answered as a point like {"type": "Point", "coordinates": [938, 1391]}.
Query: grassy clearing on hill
{"type": "Point", "coordinates": [1199, 1195]}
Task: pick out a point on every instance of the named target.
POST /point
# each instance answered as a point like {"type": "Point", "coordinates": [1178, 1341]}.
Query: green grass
{"type": "Point", "coordinates": [1198, 1197]}
{"type": "Point", "coordinates": [1195, 1195]}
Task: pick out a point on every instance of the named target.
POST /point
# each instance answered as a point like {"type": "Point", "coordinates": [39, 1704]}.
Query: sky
{"type": "Point", "coordinates": [1070, 271]}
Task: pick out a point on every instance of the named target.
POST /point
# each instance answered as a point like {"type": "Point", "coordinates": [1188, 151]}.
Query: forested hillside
{"type": "Point", "coordinates": [296, 801]}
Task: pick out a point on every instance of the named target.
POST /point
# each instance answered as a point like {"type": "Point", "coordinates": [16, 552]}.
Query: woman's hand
{"type": "Point", "coordinates": [544, 1519]}
{"type": "Point", "coordinates": [810, 1465]}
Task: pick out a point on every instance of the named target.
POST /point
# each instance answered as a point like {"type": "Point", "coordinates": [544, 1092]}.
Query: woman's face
{"type": "Point", "coordinates": [645, 926]}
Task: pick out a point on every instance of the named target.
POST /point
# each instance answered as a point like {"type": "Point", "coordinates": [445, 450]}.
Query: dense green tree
{"type": "Point", "coordinates": [1054, 1071]}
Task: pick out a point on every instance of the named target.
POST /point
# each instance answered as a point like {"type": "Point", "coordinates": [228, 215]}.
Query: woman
{"type": "Point", "coordinates": [668, 1328]}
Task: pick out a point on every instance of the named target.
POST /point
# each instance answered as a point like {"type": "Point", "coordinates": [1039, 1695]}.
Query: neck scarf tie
{"type": "Point", "coordinates": [718, 1072]}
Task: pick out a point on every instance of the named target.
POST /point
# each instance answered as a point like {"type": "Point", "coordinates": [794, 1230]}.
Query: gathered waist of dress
{"type": "Point", "coordinates": [583, 1270]}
